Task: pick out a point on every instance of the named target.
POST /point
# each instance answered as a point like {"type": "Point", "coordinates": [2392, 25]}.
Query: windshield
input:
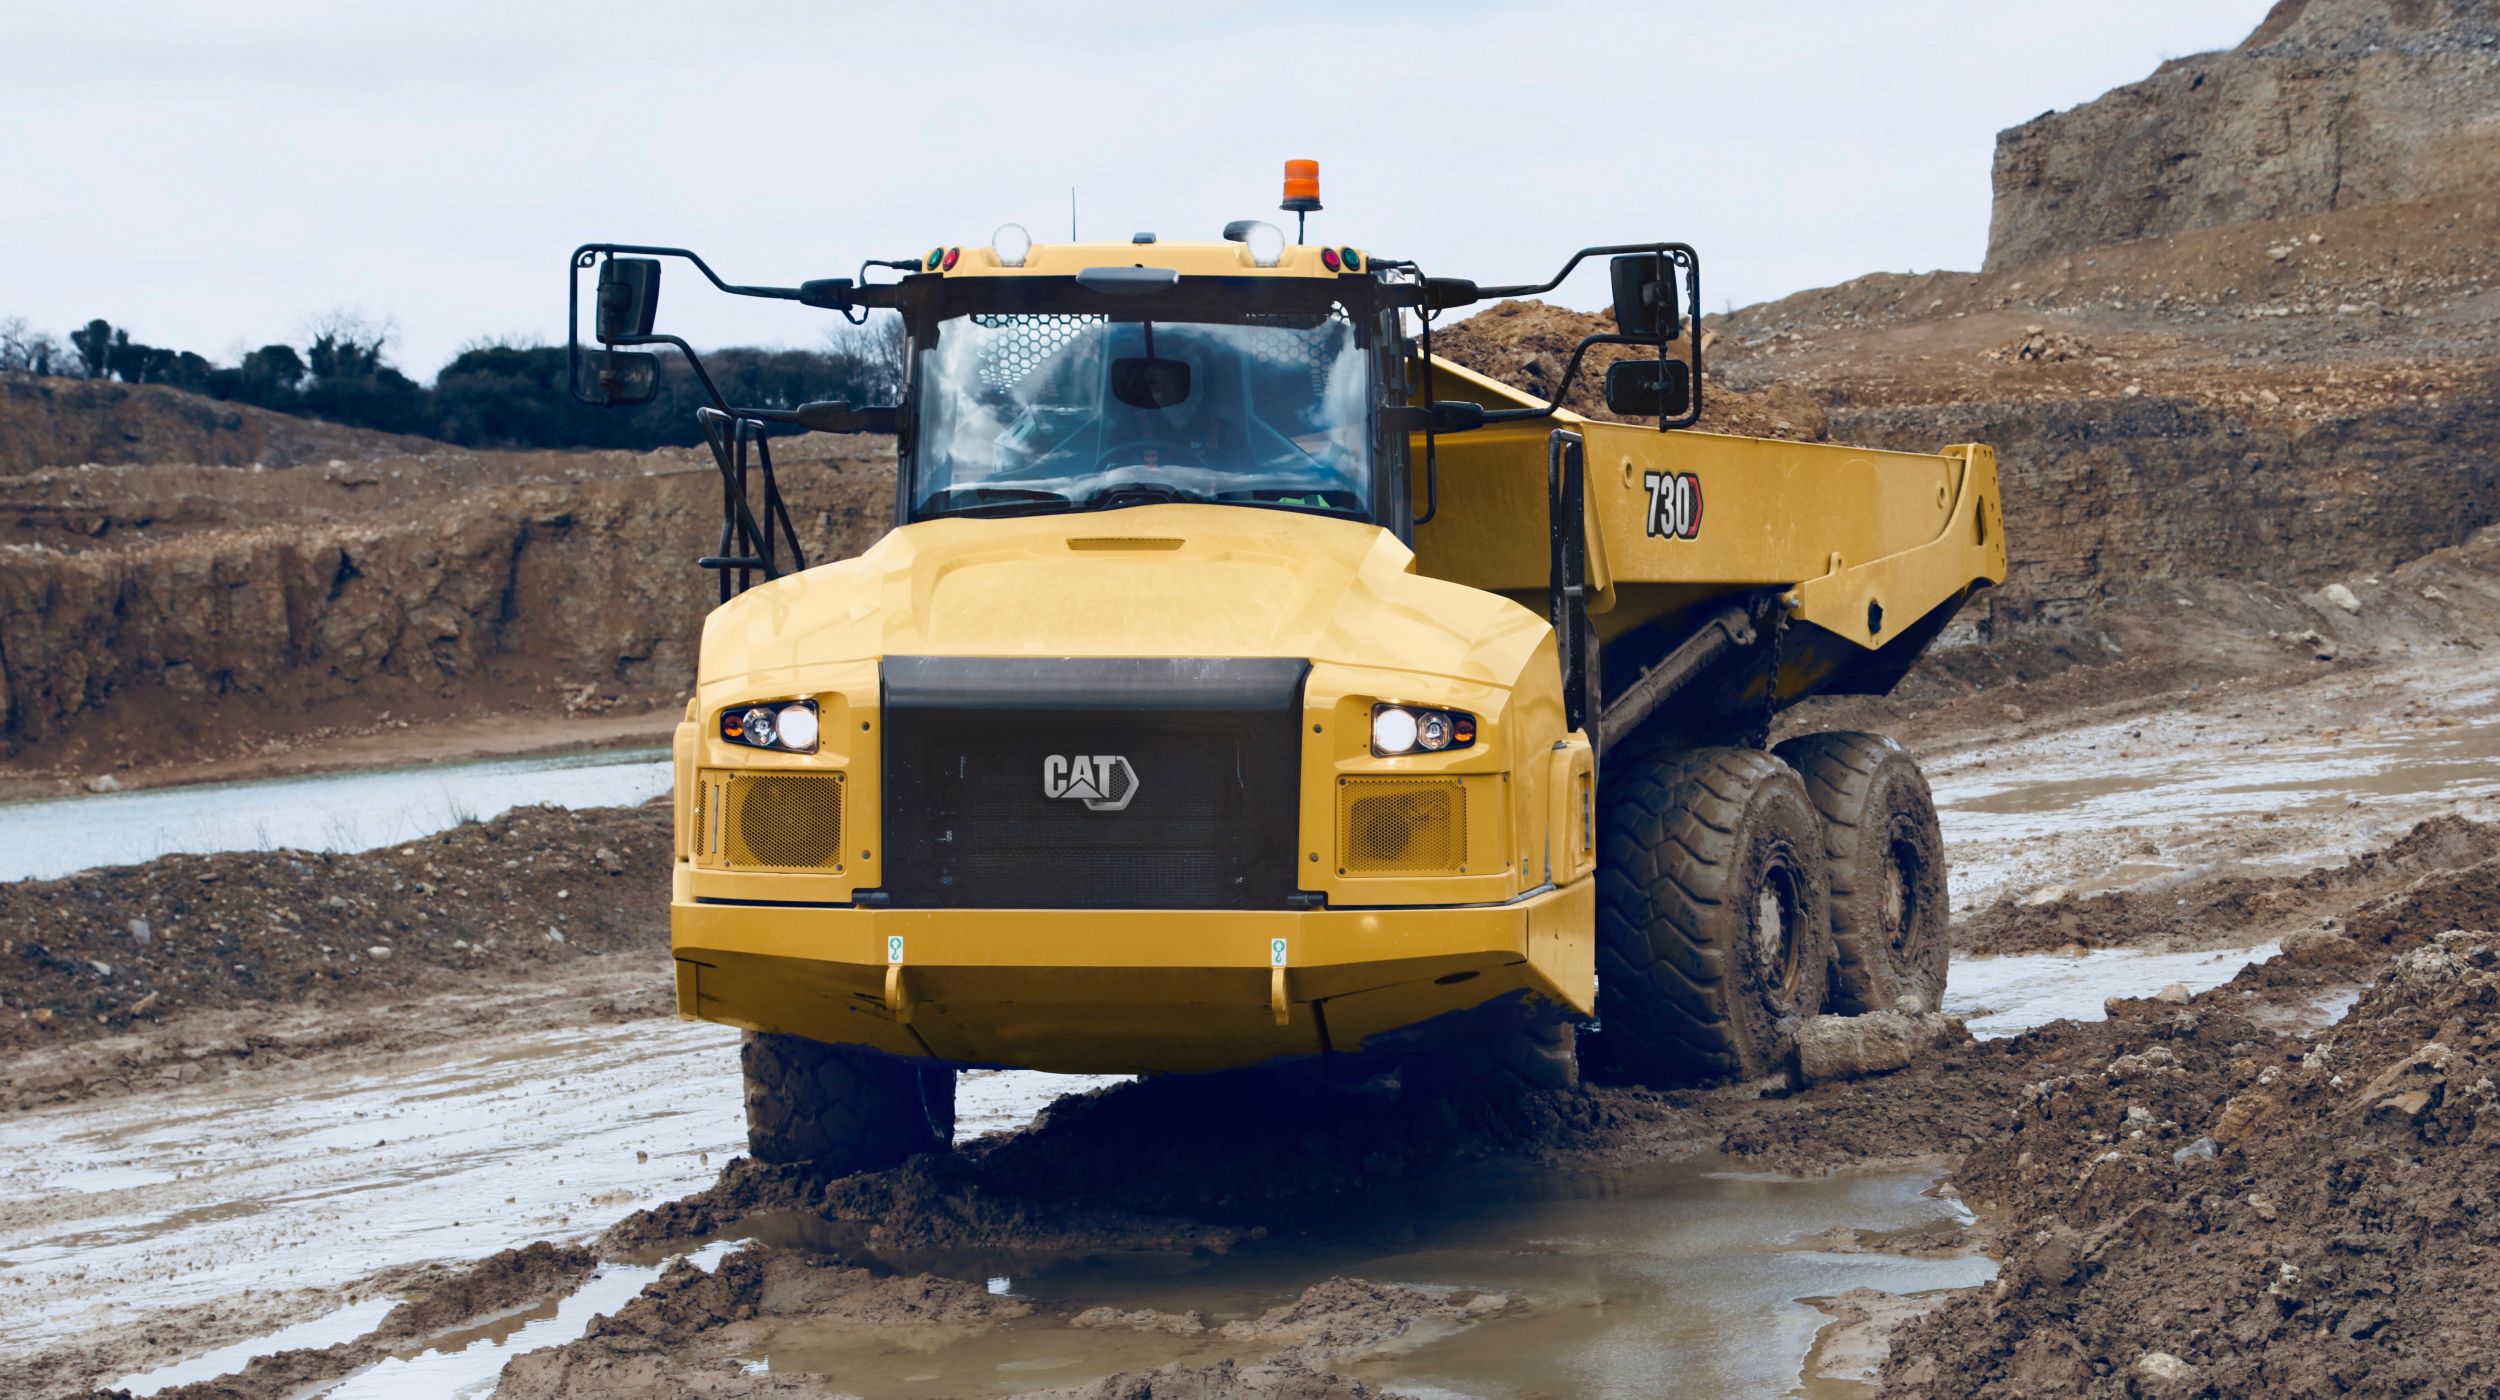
{"type": "Point", "coordinates": [1034, 411]}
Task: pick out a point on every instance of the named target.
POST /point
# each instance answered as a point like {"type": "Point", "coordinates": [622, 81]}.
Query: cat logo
{"type": "Point", "coordinates": [1104, 782]}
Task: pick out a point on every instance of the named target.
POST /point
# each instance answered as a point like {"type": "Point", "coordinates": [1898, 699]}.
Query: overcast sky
{"type": "Point", "coordinates": [216, 176]}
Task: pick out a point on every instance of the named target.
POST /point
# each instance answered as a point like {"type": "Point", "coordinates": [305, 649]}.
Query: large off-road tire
{"type": "Point", "coordinates": [842, 1108]}
{"type": "Point", "coordinates": [1505, 1065]}
{"type": "Point", "coordinates": [1890, 917]}
{"type": "Point", "coordinates": [1713, 920]}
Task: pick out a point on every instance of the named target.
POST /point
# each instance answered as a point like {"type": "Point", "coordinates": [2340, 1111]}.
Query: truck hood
{"type": "Point", "coordinates": [1161, 580]}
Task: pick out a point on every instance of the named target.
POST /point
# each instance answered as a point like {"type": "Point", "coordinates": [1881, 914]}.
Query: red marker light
{"type": "Point", "coordinates": [1328, 258]}
{"type": "Point", "coordinates": [951, 255]}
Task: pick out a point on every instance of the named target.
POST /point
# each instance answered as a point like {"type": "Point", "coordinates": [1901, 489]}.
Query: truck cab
{"type": "Point", "coordinates": [1141, 744]}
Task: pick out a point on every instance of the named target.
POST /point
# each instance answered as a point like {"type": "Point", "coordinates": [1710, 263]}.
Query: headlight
{"type": "Point", "coordinates": [1400, 729]}
{"type": "Point", "coordinates": [785, 727]}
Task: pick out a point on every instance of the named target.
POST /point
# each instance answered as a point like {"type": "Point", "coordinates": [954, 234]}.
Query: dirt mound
{"type": "Point", "coordinates": [2330, 104]}
{"type": "Point", "coordinates": [99, 952]}
{"type": "Point", "coordinates": [2217, 1211]}
{"type": "Point", "coordinates": [1527, 345]}
{"type": "Point", "coordinates": [49, 422]}
{"type": "Point", "coordinates": [2238, 909]}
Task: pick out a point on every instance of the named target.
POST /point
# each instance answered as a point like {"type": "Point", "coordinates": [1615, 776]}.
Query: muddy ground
{"type": "Point", "coordinates": [1232, 1174]}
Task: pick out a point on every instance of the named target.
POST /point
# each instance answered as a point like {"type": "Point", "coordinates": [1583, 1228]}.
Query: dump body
{"type": "Point", "coordinates": [1235, 875]}
{"type": "Point", "coordinates": [1873, 551]}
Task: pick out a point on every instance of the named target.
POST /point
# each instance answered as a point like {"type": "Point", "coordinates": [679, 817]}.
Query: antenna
{"type": "Point", "coordinates": [1071, 213]}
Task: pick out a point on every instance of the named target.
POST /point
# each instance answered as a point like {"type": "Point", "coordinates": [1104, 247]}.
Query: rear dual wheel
{"type": "Point", "coordinates": [1714, 917]}
{"type": "Point", "coordinates": [1885, 850]}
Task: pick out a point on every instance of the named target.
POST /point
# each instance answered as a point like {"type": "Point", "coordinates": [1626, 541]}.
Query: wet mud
{"type": "Point", "coordinates": [1129, 1239]}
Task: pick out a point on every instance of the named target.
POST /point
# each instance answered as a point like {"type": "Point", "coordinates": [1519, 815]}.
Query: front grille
{"type": "Point", "coordinates": [1092, 784]}
{"type": "Point", "coordinates": [1402, 826]}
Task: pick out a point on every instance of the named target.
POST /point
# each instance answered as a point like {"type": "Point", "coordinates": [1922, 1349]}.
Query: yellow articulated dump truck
{"type": "Point", "coordinates": [1241, 686]}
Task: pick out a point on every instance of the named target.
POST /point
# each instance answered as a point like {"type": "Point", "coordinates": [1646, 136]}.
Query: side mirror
{"type": "Point", "coordinates": [1645, 300]}
{"type": "Point", "coordinates": [1649, 389]}
{"type": "Point", "coordinates": [629, 297]}
{"type": "Point", "coordinates": [1141, 382]}
{"type": "Point", "coordinates": [623, 378]}
{"type": "Point", "coordinates": [837, 416]}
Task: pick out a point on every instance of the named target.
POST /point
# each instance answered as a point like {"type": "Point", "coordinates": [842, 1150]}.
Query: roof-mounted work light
{"type": "Point", "coordinates": [1011, 243]}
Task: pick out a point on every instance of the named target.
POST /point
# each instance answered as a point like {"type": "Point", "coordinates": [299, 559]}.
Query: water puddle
{"type": "Point", "coordinates": [2008, 995]}
{"type": "Point", "coordinates": [467, 1366]}
{"type": "Point", "coordinates": [342, 1325]}
{"type": "Point", "coordinates": [2205, 783]}
{"type": "Point", "coordinates": [2088, 807]}
{"type": "Point", "coordinates": [1637, 1283]}
{"type": "Point", "coordinates": [55, 836]}
{"type": "Point", "coordinates": [276, 1182]}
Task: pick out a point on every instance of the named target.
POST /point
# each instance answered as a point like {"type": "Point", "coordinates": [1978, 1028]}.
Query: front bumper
{"type": "Point", "coordinates": [1129, 991]}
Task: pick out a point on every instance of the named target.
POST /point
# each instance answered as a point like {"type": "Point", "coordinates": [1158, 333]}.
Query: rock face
{"type": "Point", "coordinates": [2329, 105]}
{"type": "Point", "coordinates": [240, 616]}
{"type": "Point", "coordinates": [2102, 493]}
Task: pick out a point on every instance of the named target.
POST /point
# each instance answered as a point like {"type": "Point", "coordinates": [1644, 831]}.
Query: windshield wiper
{"type": "Point", "coordinates": [1001, 500]}
{"type": "Point", "coordinates": [1136, 493]}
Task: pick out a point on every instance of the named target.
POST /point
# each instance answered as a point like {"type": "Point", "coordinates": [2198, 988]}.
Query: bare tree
{"type": "Point", "coordinates": [873, 351]}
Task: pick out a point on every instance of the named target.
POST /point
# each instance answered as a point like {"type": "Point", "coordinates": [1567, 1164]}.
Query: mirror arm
{"type": "Point", "coordinates": [585, 254]}
{"type": "Point", "coordinates": [1678, 255]}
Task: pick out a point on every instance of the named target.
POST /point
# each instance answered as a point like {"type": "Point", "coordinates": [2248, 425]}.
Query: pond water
{"type": "Point", "coordinates": [356, 811]}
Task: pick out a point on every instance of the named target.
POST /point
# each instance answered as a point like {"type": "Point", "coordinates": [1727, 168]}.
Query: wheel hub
{"type": "Point", "coordinates": [1774, 916]}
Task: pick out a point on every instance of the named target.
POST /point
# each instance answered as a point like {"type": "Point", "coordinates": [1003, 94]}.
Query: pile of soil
{"type": "Point", "coordinates": [2215, 1210]}
{"type": "Point", "coordinates": [55, 422]}
{"type": "Point", "coordinates": [1528, 344]}
{"type": "Point", "coordinates": [104, 951]}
